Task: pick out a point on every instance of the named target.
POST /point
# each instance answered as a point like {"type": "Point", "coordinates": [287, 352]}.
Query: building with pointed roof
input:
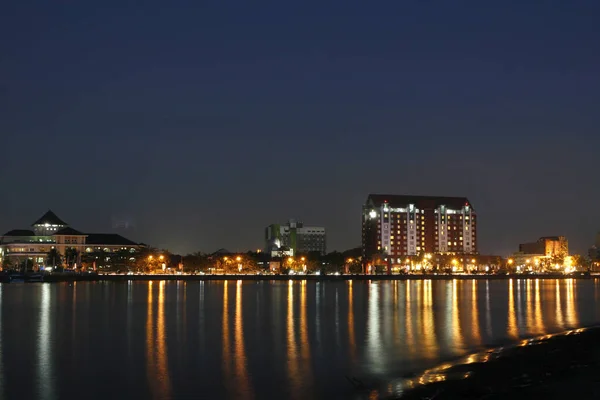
{"type": "Point", "coordinates": [31, 247]}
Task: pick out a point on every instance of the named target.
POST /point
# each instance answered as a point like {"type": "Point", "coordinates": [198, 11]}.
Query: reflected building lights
{"type": "Point", "coordinates": [150, 338]}
{"type": "Point", "coordinates": [488, 309]}
{"type": "Point", "coordinates": [44, 342]}
{"type": "Point", "coordinates": [397, 330]}
{"type": "Point", "coordinates": [475, 315]}
{"type": "Point", "coordinates": [456, 331]}
{"type": "Point", "coordinates": [428, 327]}
{"type": "Point", "coordinates": [161, 346]}
{"type": "Point", "coordinates": [539, 320]}
{"type": "Point", "coordinates": [374, 353]}
{"type": "Point", "coordinates": [513, 331]}
{"type": "Point", "coordinates": [304, 342]}
{"type": "Point", "coordinates": [529, 297]}
{"type": "Point", "coordinates": [318, 316]}
{"type": "Point", "coordinates": [571, 313]}
{"type": "Point", "coordinates": [225, 330]}
{"type": "Point", "coordinates": [560, 321]}
{"type": "Point", "coordinates": [292, 351]}
{"type": "Point", "coordinates": [410, 336]}
{"type": "Point", "coordinates": [351, 333]}
{"type": "Point", "coordinates": [241, 367]}
{"type": "Point", "coordinates": [201, 317]}
{"type": "Point", "coordinates": [74, 335]}
{"type": "Point", "coordinates": [520, 315]}
{"type": "Point", "coordinates": [156, 346]}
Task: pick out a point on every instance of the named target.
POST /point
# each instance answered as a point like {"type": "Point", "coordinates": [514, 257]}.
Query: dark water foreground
{"type": "Point", "coordinates": [549, 367]}
{"type": "Point", "coordinates": [181, 340]}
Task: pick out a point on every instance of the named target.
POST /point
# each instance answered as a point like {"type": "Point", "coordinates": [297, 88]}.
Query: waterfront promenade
{"type": "Point", "coordinates": [308, 277]}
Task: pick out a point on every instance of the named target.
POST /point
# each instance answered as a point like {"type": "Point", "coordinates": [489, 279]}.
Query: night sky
{"type": "Point", "coordinates": [204, 121]}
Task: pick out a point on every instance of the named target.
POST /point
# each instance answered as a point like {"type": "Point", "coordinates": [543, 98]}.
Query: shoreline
{"type": "Point", "coordinates": [360, 277]}
{"type": "Point", "coordinates": [551, 366]}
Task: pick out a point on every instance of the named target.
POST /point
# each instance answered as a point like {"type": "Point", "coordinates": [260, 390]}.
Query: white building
{"type": "Point", "coordinates": [30, 248]}
{"type": "Point", "coordinates": [294, 238]}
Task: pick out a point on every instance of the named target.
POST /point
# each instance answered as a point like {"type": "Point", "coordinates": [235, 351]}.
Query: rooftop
{"type": "Point", "coordinates": [419, 201]}
{"type": "Point", "coordinates": [49, 218]}
{"type": "Point", "coordinates": [19, 232]}
{"type": "Point", "coordinates": [109, 239]}
{"type": "Point", "coordinates": [69, 231]}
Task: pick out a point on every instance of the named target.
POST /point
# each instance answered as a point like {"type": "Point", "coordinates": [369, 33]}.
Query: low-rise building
{"type": "Point", "coordinates": [548, 246]}
{"type": "Point", "coordinates": [29, 248]}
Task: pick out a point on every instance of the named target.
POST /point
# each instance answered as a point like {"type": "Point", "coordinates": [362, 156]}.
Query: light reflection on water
{"type": "Point", "coordinates": [296, 339]}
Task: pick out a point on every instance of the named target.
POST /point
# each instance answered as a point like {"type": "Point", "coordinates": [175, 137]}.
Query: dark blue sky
{"type": "Point", "coordinates": [205, 121]}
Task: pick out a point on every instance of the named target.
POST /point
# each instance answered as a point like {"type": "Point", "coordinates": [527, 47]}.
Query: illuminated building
{"type": "Point", "coordinates": [548, 246]}
{"type": "Point", "coordinates": [31, 246]}
{"type": "Point", "coordinates": [295, 238]}
{"type": "Point", "coordinates": [395, 226]}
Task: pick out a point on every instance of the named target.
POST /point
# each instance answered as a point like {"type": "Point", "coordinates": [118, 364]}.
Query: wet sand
{"type": "Point", "coordinates": [550, 367]}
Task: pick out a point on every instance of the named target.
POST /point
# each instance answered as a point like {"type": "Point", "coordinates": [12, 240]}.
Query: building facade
{"type": "Point", "coordinates": [31, 247]}
{"type": "Point", "coordinates": [547, 246]}
{"type": "Point", "coordinates": [294, 238]}
{"type": "Point", "coordinates": [396, 226]}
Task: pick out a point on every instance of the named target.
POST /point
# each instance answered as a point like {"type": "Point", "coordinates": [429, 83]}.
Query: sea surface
{"type": "Point", "coordinates": [263, 340]}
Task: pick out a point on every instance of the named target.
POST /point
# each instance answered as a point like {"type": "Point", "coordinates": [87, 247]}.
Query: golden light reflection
{"type": "Point", "coordinates": [410, 336]}
{"type": "Point", "coordinates": [430, 348]}
{"type": "Point", "coordinates": [457, 336]}
{"type": "Point", "coordinates": [513, 331]}
{"type": "Point", "coordinates": [304, 342]}
{"type": "Point", "coordinates": [73, 314]}
{"type": "Point", "coordinates": [488, 309]}
{"type": "Point", "coordinates": [161, 345]}
{"type": "Point", "coordinates": [571, 313]}
{"type": "Point", "coordinates": [396, 334]}
{"type": "Point", "coordinates": [293, 362]}
{"type": "Point", "coordinates": [560, 321]}
{"type": "Point", "coordinates": [156, 346]}
{"type": "Point", "coordinates": [225, 330]}
{"type": "Point", "coordinates": [241, 367]}
{"type": "Point", "coordinates": [475, 314]}
{"type": "Point", "coordinates": [520, 316]}
{"type": "Point", "coordinates": [539, 320]}
{"type": "Point", "coordinates": [351, 333]}
{"type": "Point", "coordinates": [529, 297]}
{"type": "Point", "coordinates": [150, 336]}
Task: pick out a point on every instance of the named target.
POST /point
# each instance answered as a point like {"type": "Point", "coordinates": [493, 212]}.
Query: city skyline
{"type": "Point", "coordinates": [205, 122]}
{"type": "Point", "coordinates": [382, 198]}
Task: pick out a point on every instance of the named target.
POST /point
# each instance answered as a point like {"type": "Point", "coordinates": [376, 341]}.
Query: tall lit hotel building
{"type": "Point", "coordinates": [398, 226]}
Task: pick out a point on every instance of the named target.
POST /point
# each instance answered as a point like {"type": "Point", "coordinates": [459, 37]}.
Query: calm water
{"type": "Point", "coordinates": [256, 340]}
